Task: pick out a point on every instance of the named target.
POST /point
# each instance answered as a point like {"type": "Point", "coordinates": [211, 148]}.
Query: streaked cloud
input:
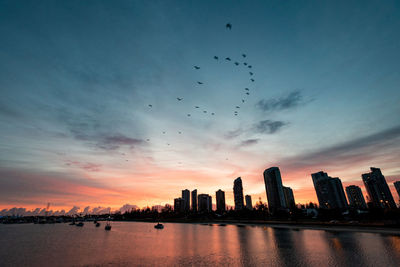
{"type": "Point", "coordinates": [268, 126]}
{"type": "Point", "coordinates": [289, 101]}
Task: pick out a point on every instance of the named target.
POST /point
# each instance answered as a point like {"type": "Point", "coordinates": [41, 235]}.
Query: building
{"type": "Point", "coordinates": [329, 191]}
{"type": "Point", "coordinates": [289, 197]}
{"type": "Point", "coordinates": [378, 190]}
{"type": "Point", "coordinates": [397, 186]}
{"type": "Point", "coordinates": [274, 189]}
{"type": "Point", "coordinates": [238, 194]}
{"type": "Point", "coordinates": [178, 205]}
{"type": "Point", "coordinates": [194, 200]}
{"type": "Point", "coordinates": [355, 197]}
{"type": "Point", "coordinates": [249, 204]}
{"type": "Point", "coordinates": [220, 199]}
{"type": "Point", "coordinates": [186, 200]}
{"type": "Point", "coordinates": [204, 203]}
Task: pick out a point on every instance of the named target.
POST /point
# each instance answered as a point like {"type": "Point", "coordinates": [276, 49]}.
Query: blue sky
{"type": "Point", "coordinates": [76, 79]}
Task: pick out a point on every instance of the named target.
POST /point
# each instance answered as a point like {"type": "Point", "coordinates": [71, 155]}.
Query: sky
{"type": "Point", "coordinates": [89, 114]}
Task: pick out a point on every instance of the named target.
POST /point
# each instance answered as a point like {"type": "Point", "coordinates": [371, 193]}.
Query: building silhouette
{"type": "Point", "coordinates": [204, 203]}
{"type": "Point", "coordinates": [274, 189]}
{"type": "Point", "coordinates": [329, 191]}
{"type": "Point", "coordinates": [289, 197]}
{"type": "Point", "coordinates": [249, 203]}
{"type": "Point", "coordinates": [355, 197]}
{"type": "Point", "coordinates": [378, 190]}
{"type": "Point", "coordinates": [397, 186]}
{"type": "Point", "coordinates": [238, 194]}
{"type": "Point", "coordinates": [178, 204]}
{"type": "Point", "coordinates": [194, 200]}
{"type": "Point", "coordinates": [220, 199]}
{"type": "Point", "coordinates": [186, 200]}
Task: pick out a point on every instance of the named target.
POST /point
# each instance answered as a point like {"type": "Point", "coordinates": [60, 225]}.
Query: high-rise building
{"type": "Point", "coordinates": [204, 203]}
{"type": "Point", "coordinates": [378, 190]}
{"type": "Point", "coordinates": [194, 200]}
{"type": "Point", "coordinates": [355, 197]}
{"type": "Point", "coordinates": [220, 199]}
{"type": "Point", "coordinates": [397, 186]}
{"type": "Point", "coordinates": [178, 205]}
{"type": "Point", "coordinates": [249, 204]}
{"type": "Point", "coordinates": [289, 197]}
{"type": "Point", "coordinates": [238, 194]}
{"type": "Point", "coordinates": [329, 191]}
{"type": "Point", "coordinates": [274, 189]}
{"type": "Point", "coordinates": [186, 200]}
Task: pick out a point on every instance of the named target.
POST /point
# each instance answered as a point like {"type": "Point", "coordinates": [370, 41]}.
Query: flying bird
{"type": "Point", "coordinates": [229, 26]}
{"type": "Point", "coordinates": [249, 66]}
{"type": "Point", "coordinates": [188, 115]}
{"type": "Point", "coordinates": [205, 111]}
{"type": "Point", "coordinates": [250, 73]}
{"type": "Point", "coordinates": [215, 57]}
{"type": "Point", "coordinates": [228, 59]}
{"type": "Point", "coordinates": [196, 67]}
{"type": "Point", "coordinates": [147, 140]}
{"type": "Point", "coordinates": [213, 113]}
{"type": "Point", "coordinates": [237, 107]}
{"type": "Point", "coordinates": [252, 80]}
{"type": "Point", "coordinates": [247, 93]}
{"type": "Point", "coordinates": [179, 99]}
{"type": "Point", "coordinates": [199, 82]}
{"type": "Point", "coordinates": [163, 132]}
{"type": "Point", "coordinates": [245, 63]}
{"type": "Point", "coordinates": [247, 89]}
{"type": "Point", "coordinates": [243, 55]}
{"type": "Point", "coordinates": [242, 100]}
{"type": "Point", "coordinates": [197, 107]}
{"type": "Point", "coordinates": [179, 132]}
{"type": "Point", "coordinates": [236, 63]}
{"type": "Point", "coordinates": [150, 106]}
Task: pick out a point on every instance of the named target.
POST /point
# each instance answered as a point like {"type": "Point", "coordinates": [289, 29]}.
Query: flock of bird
{"type": "Point", "coordinates": [246, 91]}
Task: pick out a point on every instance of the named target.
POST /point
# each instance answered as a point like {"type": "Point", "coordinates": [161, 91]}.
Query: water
{"type": "Point", "coordinates": [134, 243]}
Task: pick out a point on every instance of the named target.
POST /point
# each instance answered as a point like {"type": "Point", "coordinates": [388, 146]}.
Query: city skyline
{"type": "Point", "coordinates": [96, 97]}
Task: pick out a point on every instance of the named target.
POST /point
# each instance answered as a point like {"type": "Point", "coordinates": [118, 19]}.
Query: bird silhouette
{"type": "Point", "coordinates": [205, 111]}
{"type": "Point", "coordinates": [228, 59]}
{"type": "Point", "coordinates": [180, 132]}
{"type": "Point", "coordinates": [252, 80]}
{"type": "Point", "coordinates": [247, 89]}
{"type": "Point", "coordinates": [196, 67]}
{"type": "Point", "coordinates": [199, 82]}
{"type": "Point", "coordinates": [150, 106]}
{"type": "Point", "coordinates": [245, 63]}
{"type": "Point", "coordinates": [237, 107]}
{"type": "Point", "coordinates": [250, 73]}
{"type": "Point", "coordinates": [228, 26]}
{"type": "Point", "coordinates": [163, 132]}
{"type": "Point", "coordinates": [236, 114]}
{"type": "Point", "coordinates": [247, 93]}
{"type": "Point", "coordinates": [168, 144]}
{"type": "Point", "coordinates": [196, 106]}
{"type": "Point", "coordinates": [188, 115]}
{"type": "Point", "coordinates": [213, 113]}
{"type": "Point", "coordinates": [179, 99]}
{"type": "Point", "coordinates": [215, 57]}
{"type": "Point", "coordinates": [236, 63]}
{"type": "Point", "coordinates": [147, 140]}
{"type": "Point", "coordinates": [243, 55]}
{"type": "Point", "coordinates": [242, 100]}
{"type": "Point", "coordinates": [249, 66]}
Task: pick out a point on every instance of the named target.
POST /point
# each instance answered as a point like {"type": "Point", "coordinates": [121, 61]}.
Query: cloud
{"type": "Point", "coordinates": [92, 167]}
{"type": "Point", "coordinates": [111, 142]}
{"type": "Point", "coordinates": [382, 147]}
{"type": "Point", "coordinates": [234, 133]}
{"type": "Point", "coordinates": [268, 126]}
{"type": "Point", "coordinates": [249, 142]}
{"type": "Point", "coordinates": [292, 100]}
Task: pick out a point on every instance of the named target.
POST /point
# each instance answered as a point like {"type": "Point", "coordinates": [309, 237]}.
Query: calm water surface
{"type": "Point", "coordinates": [134, 243]}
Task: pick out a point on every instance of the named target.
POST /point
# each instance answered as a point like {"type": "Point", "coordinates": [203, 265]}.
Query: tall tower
{"type": "Point", "coordinates": [397, 186]}
{"type": "Point", "coordinates": [355, 197]}
{"type": "Point", "coordinates": [289, 197]}
{"type": "Point", "coordinates": [329, 191]}
{"type": "Point", "coordinates": [378, 190]}
{"type": "Point", "coordinates": [186, 200]}
{"type": "Point", "coordinates": [238, 194]}
{"type": "Point", "coordinates": [194, 200]}
{"type": "Point", "coordinates": [220, 198]}
{"type": "Point", "coordinates": [249, 203]}
{"type": "Point", "coordinates": [274, 189]}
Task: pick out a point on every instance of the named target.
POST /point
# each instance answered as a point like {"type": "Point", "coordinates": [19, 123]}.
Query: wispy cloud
{"type": "Point", "coordinates": [249, 142]}
{"type": "Point", "coordinates": [268, 126]}
{"type": "Point", "coordinates": [289, 101]}
{"type": "Point", "coordinates": [88, 166]}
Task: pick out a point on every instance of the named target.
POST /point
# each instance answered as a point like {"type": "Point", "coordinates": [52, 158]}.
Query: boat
{"type": "Point", "coordinates": [97, 224]}
{"type": "Point", "coordinates": [159, 226]}
{"type": "Point", "coordinates": [80, 224]}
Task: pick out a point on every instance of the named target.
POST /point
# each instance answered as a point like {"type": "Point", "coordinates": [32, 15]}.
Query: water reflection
{"type": "Point", "coordinates": [192, 244]}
